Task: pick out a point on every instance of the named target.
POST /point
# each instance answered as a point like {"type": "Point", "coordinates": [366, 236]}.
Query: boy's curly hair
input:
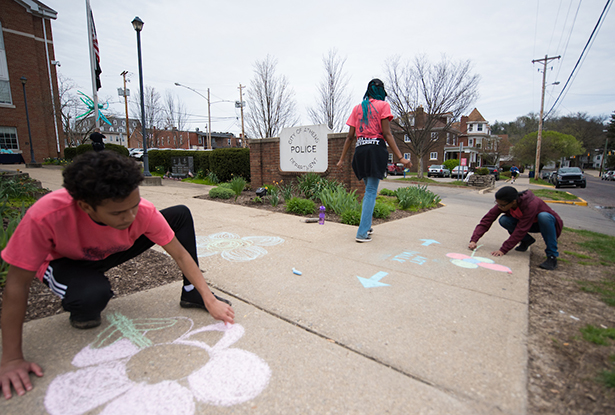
{"type": "Point", "coordinates": [96, 176]}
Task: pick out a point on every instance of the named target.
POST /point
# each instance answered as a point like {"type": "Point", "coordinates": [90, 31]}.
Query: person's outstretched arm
{"type": "Point", "coordinates": [14, 369]}
{"type": "Point", "coordinates": [218, 309]}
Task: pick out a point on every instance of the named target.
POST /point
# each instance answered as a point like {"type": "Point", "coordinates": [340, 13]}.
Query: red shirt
{"type": "Point", "coordinates": [379, 110]}
{"type": "Point", "coordinates": [56, 227]}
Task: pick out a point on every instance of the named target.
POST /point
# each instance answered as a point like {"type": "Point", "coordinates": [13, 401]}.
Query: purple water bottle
{"type": "Point", "coordinates": [321, 216]}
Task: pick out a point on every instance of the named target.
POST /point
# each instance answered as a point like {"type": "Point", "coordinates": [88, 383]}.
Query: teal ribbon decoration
{"type": "Point", "coordinates": [89, 103]}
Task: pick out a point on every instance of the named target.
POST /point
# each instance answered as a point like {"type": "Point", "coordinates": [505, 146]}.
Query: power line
{"type": "Point", "coordinates": [587, 45]}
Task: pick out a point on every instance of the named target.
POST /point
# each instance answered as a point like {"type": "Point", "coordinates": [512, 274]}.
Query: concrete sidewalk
{"type": "Point", "coordinates": [429, 327]}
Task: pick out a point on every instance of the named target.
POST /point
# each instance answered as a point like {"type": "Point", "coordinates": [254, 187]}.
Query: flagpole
{"type": "Point", "coordinates": [88, 12]}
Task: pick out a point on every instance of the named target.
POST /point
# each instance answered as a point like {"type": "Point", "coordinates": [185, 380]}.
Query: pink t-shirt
{"type": "Point", "coordinates": [379, 111]}
{"type": "Point", "coordinates": [56, 227]}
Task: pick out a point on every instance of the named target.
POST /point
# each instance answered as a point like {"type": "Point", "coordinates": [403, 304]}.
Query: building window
{"type": "Point", "coordinates": [433, 155]}
{"type": "Point", "coordinates": [5, 86]}
{"type": "Point", "coordinates": [406, 138]}
{"type": "Point", "coordinates": [407, 156]}
{"type": "Point", "coordinates": [434, 136]}
{"type": "Point", "coordinates": [114, 122]}
{"type": "Point", "coordinates": [390, 157]}
{"type": "Point", "coordinates": [200, 140]}
{"type": "Point", "coordinates": [479, 127]}
{"type": "Point", "coordinates": [8, 138]}
{"type": "Point", "coordinates": [470, 127]}
{"type": "Point", "coordinates": [111, 129]}
{"type": "Point", "coordinates": [470, 142]}
{"type": "Point", "coordinates": [123, 123]}
{"type": "Point", "coordinates": [411, 119]}
{"type": "Point", "coordinates": [229, 142]}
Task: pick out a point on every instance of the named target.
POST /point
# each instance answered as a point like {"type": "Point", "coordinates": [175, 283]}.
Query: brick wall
{"type": "Point", "coordinates": [26, 57]}
{"type": "Point", "coordinates": [265, 163]}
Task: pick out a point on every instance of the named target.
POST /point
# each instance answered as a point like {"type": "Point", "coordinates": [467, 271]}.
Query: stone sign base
{"type": "Point", "coordinates": [487, 180]}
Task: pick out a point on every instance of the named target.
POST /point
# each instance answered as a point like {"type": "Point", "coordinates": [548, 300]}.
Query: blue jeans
{"type": "Point", "coordinates": [545, 225]}
{"type": "Point", "coordinates": [367, 209]}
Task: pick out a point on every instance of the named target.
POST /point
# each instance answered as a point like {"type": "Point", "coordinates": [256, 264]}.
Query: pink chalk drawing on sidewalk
{"type": "Point", "coordinates": [231, 376]}
{"type": "Point", "coordinates": [234, 248]}
{"type": "Point", "coordinates": [472, 262]}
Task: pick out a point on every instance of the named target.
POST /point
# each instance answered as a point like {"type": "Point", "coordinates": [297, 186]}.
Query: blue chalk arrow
{"type": "Point", "coordinates": [428, 242]}
{"type": "Point", "coordinates": [374, 281]}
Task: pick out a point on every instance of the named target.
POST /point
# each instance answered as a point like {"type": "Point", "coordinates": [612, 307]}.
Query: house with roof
{"type": "Point", "coordinates": [28, 75]}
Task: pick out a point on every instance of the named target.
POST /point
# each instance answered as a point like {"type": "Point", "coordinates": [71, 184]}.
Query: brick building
{"type": "Point", "coordinates": [27, 54]}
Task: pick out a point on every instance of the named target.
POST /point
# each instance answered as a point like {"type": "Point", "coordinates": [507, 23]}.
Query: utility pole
{"type": "Point", "coordinates": [209, 116]}
{"type": "Point", "coordinates": [606, 143]}
{"type": "Point", "coordinates": [126, 92]}
{"type": "Point", "coordinates": [243, 134]}
{"type": "Point", "coordinates": [542, 109]}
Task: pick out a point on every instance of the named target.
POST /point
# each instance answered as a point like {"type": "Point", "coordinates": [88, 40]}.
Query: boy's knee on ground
{"type": "Point", "coordinates": [87, 298]}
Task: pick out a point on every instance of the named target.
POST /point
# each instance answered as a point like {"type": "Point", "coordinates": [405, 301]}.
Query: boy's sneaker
{"type": "Point", "coordinates": [83, 325]}
{"type": "Point", "coordinates": [192, 299]}
{"type": "Point", "coordinates": [366, 239]}
{"type": "Point", "coordinates": [523, 246]}
{"type": "Point", "coordinates": [550, 264]}
{"type": "Point", "coordinates": [371, 230]}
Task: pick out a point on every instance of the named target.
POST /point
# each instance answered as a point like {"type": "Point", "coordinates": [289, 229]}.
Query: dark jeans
{"type": "Point", "coordinates": [545, 225]}
{"type": "Point", "coordinates": [83, 286]}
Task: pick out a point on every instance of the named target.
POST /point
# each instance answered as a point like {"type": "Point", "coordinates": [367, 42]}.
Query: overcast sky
{"type": "Point", "coordinates": [214, 44]}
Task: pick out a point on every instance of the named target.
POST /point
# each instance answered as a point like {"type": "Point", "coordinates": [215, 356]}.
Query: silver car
{"type": "Point", "coordinates": [438, 170]}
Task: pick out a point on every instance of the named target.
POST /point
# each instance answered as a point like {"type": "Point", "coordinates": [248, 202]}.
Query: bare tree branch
{"type": "Point", "coordinates": [333, 100]}
{"type": "Point", "coordinates": [427, 98]}
{"type": "Point", "coordinates": [271, 104]}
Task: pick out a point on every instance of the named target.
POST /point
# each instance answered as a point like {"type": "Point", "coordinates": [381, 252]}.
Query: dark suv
{"type": "Point", "coordinates": [568, 176]}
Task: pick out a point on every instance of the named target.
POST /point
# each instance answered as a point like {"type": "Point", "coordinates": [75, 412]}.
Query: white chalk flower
{"type": "Point", "coordinates": [234, 248]}
{"type": "Point", "coordinates": [231, 376]}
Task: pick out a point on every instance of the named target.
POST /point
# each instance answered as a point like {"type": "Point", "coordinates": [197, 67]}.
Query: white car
{"type": "Point", "coordinates": [438, 170]}
{"type": "Point", "coordinates": [460, 171]}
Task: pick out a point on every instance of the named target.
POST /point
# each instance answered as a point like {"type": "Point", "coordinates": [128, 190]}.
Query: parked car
{"type": "Point", "coordinates": [569, 176]}
{"type": "Point", "coordinates": [494, 171]}
{"type": "Point", "coordinates": [438, 170]}
{"type": "Point", "coordinates": [609, 175]}
{"type": "Point", "coordinates": [136, 153]}
{"type": "Point", "coordinates": [395, 169]}
{"type": "Point", "coordinates": [546, 175]}
{"type": "Point", "coordinates": [460, 171]}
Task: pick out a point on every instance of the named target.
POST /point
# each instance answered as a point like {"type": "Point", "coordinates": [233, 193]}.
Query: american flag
{"type": "Point", "coordinates": [97, 71]}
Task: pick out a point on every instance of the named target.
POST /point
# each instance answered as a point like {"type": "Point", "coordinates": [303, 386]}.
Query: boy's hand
{"type": "Point", "coordinates": [472, 245]}
{"type": "Point", "coordinates": [17, 373]}
{"type": "Point", "coordinates": [221, 311]}
{"type": "Point", "coordinates": [497, 253]}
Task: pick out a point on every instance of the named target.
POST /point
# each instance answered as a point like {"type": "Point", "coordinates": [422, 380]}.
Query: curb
{"type": "Point", "coordinates": [569, 202]}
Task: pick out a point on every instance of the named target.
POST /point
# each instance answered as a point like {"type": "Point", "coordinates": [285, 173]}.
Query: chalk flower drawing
{"type": "Point", "coordinates": [231, 376]}
{"type": "Point", "coordinates": [234, 248]}
{"type": "Point", "coordinates": [471, 262]}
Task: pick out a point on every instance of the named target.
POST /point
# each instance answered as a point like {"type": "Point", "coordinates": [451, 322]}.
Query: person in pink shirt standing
{"type": "Point", "coordinates": [71, 237]}
{"type": "Point", "coordinates": [370, 124]}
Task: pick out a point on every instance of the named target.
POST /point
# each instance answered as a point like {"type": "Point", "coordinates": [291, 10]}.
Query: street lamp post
{"type": "Point", "coordinates": [25, 100]}
{"type": "Point", "coordinates": [208, 110]}
{"type": "Point", "coordinates": [138, 26]}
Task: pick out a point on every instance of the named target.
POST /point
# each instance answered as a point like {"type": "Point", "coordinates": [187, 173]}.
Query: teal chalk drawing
{"type": "Point", "coordinates": [427, 242]}
{"type": "Point", "coordinates": [374, 281]}
{"type": "Point", "coordinates": [122, 327]}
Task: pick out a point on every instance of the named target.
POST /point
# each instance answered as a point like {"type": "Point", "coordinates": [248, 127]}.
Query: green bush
{"type": "Point", "coordinates": [351, 217]}
{"type": "Point", "coordinates": [416, 198]}
{"type": "Point", "coordinates": [221, 193]}
{"type": "Point", "coordinates": [451, 164]}
{"type": "Point", "coordinates": [387, 192]}
{"type": "Point", "coordinates": [505, 174]}
{"type": "Point", "coordinates": [300, 206]}
{"type": "Point", "coordinates": [381, 211]}
{"type": "Point", "coordinates": [237, 186]}
{"type": "Point", "coordinates": [230, 162]}
{"type": "Point", "coordinates": [5, 235]}
{"type": "Point", "coordinates": [482, 171]}
{"type": "Point", "coordinates": [225, 186]}
{"type": "Point", "coordinates": [160, 170]}
{"type": "Point", "coordinates": [339, 200]}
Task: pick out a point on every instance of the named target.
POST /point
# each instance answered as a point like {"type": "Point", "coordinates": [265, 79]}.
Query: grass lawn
{"type": "Point", "coordinates": [549, 194]}
{"type": "Point", "coordinates": [541, 182]}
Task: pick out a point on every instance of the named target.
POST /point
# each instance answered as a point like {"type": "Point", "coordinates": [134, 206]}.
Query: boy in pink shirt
{"type": "Point", "coordinates": [71, 237]}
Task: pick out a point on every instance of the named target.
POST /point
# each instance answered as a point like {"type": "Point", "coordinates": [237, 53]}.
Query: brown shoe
{"type": "Point", "coordinates": [83, 325]}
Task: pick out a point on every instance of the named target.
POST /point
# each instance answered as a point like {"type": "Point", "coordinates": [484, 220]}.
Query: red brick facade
{"type": "Point", "coordinates": [24, 45]}
{"type": "Point", "coordinates": [265, 163]}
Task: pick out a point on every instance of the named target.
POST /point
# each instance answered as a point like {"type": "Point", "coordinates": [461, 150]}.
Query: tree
{"type": "Point", "coordinates": [154, 114]}
{"type": "Point", "coordinates": [426, 96]}
{"type": "Point", "coordinates": [271, 104]}
{"type": "Point", "coordinates": [75, 130]}
{"type": "Point", "coordinates": [554, 146]}
{"type": "Point", "coordinates": [333, 101]}
{"type": "Point", "coordinates": [175, 117]}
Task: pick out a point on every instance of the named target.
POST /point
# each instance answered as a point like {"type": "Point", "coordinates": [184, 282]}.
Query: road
{"type": "Point", "coordinates": [597, 193]}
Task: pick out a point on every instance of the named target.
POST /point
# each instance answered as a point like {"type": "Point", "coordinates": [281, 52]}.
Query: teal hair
{"type": "Point", "coordinates": [375, 90]}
